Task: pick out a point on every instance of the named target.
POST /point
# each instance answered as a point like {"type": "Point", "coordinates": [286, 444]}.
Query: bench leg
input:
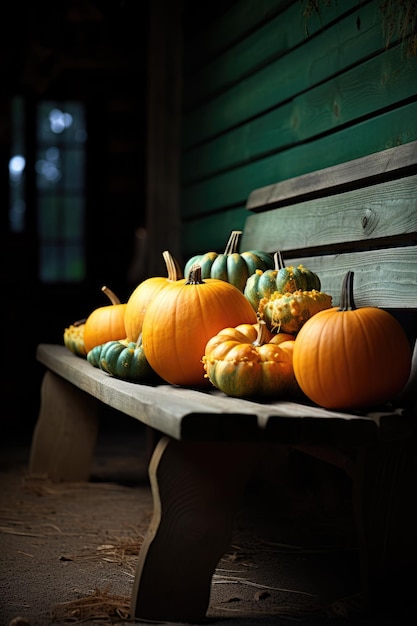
{"type": "Point", "coordinates": [384, 496]}
{"type": "Point", "coordinates": [66, 431]}
{"type": "Point", "coordinates": [196, 489]}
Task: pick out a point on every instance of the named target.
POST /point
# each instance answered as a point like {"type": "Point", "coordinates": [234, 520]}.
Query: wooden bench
{"type": "Point", "coordinates": [359, 216]}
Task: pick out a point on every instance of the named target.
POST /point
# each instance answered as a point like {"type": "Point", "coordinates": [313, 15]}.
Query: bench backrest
{"type": "Point", "coordinates": [360, 216]}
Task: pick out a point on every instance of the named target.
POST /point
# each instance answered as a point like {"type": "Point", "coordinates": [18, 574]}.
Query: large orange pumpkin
{"type": "Point", "coordinates": [106, 323]}
{"type": "Point", "coordinates": [143, 294]}
{"type": "Point", "coordinates": [181, 319]}
{"type": "Point", "coordinates": [349, 358]}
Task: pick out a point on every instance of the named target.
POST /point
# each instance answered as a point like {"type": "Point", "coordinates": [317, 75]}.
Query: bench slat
{"type": "Point", "coordinates": [358, 217]}
{"type": "Point", "coordinates": [325, 182]}
{"type": "Point", "coordinates": [383, 278]}
{"type": "Point", "coordinates": [190, 414]}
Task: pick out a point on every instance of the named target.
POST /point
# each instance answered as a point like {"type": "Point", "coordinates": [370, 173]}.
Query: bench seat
{"type": "Point", "coordinates": [195, 415]}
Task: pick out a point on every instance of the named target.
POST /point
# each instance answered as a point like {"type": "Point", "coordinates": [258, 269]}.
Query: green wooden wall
{"type": "Point", "coordinates": [270, 93]}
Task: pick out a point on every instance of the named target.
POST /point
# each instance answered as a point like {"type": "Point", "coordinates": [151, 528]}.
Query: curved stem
{"type": "Point", "coordinates": [261, 339]}
{"type": "Point", "coordinates": [111, 295]}
{"type": "Point", "coordinates": [232, 244]}
{"type": "Point", "coordinates": [347, 302]}
{"type": "Point", "coordinates": [173, 268]}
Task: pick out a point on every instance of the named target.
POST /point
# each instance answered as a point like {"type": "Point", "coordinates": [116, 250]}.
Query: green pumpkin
{"type": "Point", "coordinates": [281, 279]}
{"type": "Point", "coordinates": [93, 355]}
{"type": "Point", "coordinates": [122, 359]}
{"type": "Point", "coordinates": [288, 312]}
{"type": "Point", "coordinates": [231, 266]}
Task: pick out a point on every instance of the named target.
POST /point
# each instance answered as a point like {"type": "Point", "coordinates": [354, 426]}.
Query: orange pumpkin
{"type": "Point", "coordinates": [349, 358]}
{"type": "Point", "coordinates": [250, 361]}
{"type": "Point", "coordinates": [181, 319]}
{"type": "Point", "coordinates": [143, 294]}
{"type": "Point", "coordinates": [106, 323]}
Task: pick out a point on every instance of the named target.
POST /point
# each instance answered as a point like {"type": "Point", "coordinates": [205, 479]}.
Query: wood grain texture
{"type": "Point", "coordinates": [325, 182]}
{"type": "Point", "coordinates": [384, 278]}
{"type": "Point", "coordinates": [377, 83]}
{"type": "Point", "coordinates": [66, 431]}
{"type": "Point", "coordinates": [211, 416]}
{"type": "Point", "coordinates": [331, 52]}
{"type": "Point", "coordinates": [363, 216]}
{"type": "Point", "coordinates": [196, 490]}
{"type": "Point", "coordinates": [277, 96]}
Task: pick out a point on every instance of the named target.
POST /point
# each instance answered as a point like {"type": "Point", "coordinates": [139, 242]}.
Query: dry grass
{"type": "Point", "coordinates": [100, 605]}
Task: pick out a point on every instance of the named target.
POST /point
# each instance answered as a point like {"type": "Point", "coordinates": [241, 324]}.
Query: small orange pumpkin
{"type": "Point", "coordinates": [106, 323]}
{"type": "Point", "coordinates": [350, 358]}
{"type": "Point", "coordinates": [181, 319]}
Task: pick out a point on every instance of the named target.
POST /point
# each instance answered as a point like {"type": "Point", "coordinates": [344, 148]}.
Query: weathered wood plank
{"type": "Point", "coordinates": [68, 422]}
{"type": "Point", "coordinates": [325, 182]}
{"type": "Point", "coordinates": [384, 278]}
{"type": "Point", "coordinates": [196, 415]}
{"type": "Point", "coordinates": [377, 212]}
{"type": "Point", "coordinates": [197, 490]}
{"type": "Point", "coordinates": [366, 214]}
{"type": "Point", "coordinates": [157, 406]}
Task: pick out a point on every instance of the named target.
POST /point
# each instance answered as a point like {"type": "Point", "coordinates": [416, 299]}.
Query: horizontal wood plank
{"type": "Point", "coordinates": [379, 82]}
{"type": "Point", "coordinates": [383, 278]}
{"type": "Point", "coordinates": [328, 54]}
{"type": "Point", "coordinates": [382, 211]}
{"type": "Point", "coordinates": [327, 181]}
{"type": "Point", "coordinates": [190, 414]}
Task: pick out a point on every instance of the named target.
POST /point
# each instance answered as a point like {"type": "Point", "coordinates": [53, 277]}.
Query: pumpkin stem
{"type": "Point", "coordinates": [278, 261]}
{"type": "Point", "coordinates": [261, 339]}
{"type": "Point", "coordinates": [347, 302]}
{"type": "Point", "coordinates": [194, 277]}
{"type": "Point", "coordinates": [232, 244]}
{"type": "Point", "coordinates": [80, 322]}
{"type": "Point", "coordinates": [173, 268]}
{"type": "Point", "coordinates": [111, 295]}
{"type": "Point", "coordinates": [139, 340]}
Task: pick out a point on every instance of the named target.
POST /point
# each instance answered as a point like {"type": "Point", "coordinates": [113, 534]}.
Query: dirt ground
{"type": "Point", "coordinates": [69, 550]}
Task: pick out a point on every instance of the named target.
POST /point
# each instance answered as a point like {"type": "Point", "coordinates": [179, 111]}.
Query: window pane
{"type": "Point", "coordinates": [74, 218]}
{"type": "Point", "coordinates": [73, 168]}
{"type": "Point", "coordinates": [60, 177]}
{"type": "Point", "coordinates": [62, 263]}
